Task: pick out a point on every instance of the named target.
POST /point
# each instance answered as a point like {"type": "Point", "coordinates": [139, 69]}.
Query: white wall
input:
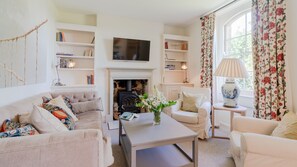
{"type": "Point", "coordinates": [194, 32]}
{"type": "Point", "coordinates": [291, 51]}
{"type": "Point", "coordinates": [109, 27]}
{"type": "Point", "coordinates": [174, 30]}
{"type": "Point", "coordinates": [27, 14]}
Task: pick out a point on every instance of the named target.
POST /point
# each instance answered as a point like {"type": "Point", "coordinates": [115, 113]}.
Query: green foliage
{"type": "Point", "coordinates": [155, 103]}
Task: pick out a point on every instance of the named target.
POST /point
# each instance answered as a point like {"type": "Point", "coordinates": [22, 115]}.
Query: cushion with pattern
{"type": "Point", "coordinates": [66, 100]}
{"type": "Point", "coordinates": [8, 125]}
{"type": "Point", "coordinates": [23, 130]}
{"type": "Point", "coordinates": [59, 113]}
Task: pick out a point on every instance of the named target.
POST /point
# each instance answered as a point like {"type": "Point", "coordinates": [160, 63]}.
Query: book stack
{"type": "Point", "coordinates": [60, 37]}
{"type": "Point", "coordinates": [90, 79]}
{"type": "Point", "coordinates": [128, 116]}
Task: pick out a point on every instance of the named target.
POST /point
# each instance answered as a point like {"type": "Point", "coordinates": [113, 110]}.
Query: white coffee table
{"type": "Point", "coordinates": [140, 133]}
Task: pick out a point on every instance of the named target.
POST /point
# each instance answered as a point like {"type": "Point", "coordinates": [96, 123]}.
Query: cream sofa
{"type": "Point", "coordinates": [252, 146]}
{"type": "Point", "coordinates": [87, 145]}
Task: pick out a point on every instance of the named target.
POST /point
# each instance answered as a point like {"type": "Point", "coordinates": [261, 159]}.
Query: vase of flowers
{"type": "Point", "coordinates": [155, 103]}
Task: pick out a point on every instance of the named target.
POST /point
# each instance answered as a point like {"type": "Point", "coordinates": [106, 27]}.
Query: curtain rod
{"type": "Point", "coordinates": [218, 9]}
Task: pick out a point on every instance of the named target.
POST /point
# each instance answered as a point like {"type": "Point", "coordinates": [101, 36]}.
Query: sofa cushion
{"type": "Point", "coordinates": [23, 130]}
{"type": "Point", "coordinates": [89, 120]}
{"type": "Point", "coordinates": [60, 102]}
{"type": "Point", "coordinates": [235, 143]}
{"type": "Point", "coordinates": [186, 117]}
{"type": "Point", "coordinates": [93, 105]}
{"type": "Point", "coordinates": [287, 128]}
{"type": "Point", "coordinates": [61, 114]}
{"type": "Point", "coordinates": [45, 122]}
{"type": "Point", "coordinates": [8, 125]}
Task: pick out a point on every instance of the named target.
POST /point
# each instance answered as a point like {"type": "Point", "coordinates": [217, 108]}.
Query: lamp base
{"type": "Point", "coordinates": [59, 84]}
{"type": "Point", "coordinates": [230, 93]}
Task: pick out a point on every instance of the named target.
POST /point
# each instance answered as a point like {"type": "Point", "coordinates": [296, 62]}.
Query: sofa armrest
{"type": "Point", "coordinates": [174, 108]}
{"type": "Point", "coordinates": [108, 157]}
{"type": "Point", "coordinates": [256, 147]}
{"type": "Point", "coordinates": [74, 148]}
{"type": "Point", "coordinates": [204, 109]}
{"type": "Point", "coordinates": [254, 125]}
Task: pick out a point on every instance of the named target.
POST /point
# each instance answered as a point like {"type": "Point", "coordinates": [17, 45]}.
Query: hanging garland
{"type": "Point", "coordinates": [12, 43]}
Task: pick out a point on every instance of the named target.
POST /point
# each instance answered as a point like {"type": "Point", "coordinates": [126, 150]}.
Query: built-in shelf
{"type": "Point", "coordinates": [176, 60]}
{"type": "Point", "coordinates": [75, 27]}
{"type": "Point", "coordinates": [75, 44]}
{"type": "Point", "coordinates": [76, 69]}
{"type": "Point", "coordinates": [74, 86]}
{"type": "Point", "coordinates": [174, 70]}
{"type": "Point", "coordinates": [76, 57]}
{"type": "Point", "coordinates": [176, 50]}
{"type": "Point", "coordinates": [175, 56]}
{"type": "Point", "coordinates": [176, 83]}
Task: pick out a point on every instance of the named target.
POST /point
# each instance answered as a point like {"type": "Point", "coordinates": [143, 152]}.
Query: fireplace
{"type": "Point", "coordinates": [126, 76]}
{"type": "Point", "coordinates": [126, 94]}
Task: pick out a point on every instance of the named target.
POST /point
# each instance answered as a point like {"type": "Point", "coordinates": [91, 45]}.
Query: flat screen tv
{"type": "Point", "coordinates": [131, 49]}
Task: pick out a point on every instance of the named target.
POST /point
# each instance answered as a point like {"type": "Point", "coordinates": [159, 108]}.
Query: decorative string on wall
{"type": "Point", "coordinates": [21, 60]}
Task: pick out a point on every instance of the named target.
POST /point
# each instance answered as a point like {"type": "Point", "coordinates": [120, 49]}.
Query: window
{"type": "Point", "coordinates": [238, 44]}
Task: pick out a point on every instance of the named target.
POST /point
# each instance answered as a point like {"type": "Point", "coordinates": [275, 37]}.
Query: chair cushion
{"type": "Point", "coordinates": [287, 128]}
{"type": "Point", "coordinates": [186, 117]}
{"type": "Point", "coordinates": [89, 120]}
{"type": "Point", "coordinates": [190, 101]}
{"type": "Point", "coordinates": [235, 143]}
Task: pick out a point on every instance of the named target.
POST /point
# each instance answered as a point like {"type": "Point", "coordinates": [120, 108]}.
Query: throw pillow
{"type": "Point", "coordinates": [24, 118]}
{"type": "Point", "coordinates": [24, 130]}
{"type": "Point", "coordinates": [8, 125]}
{"type": "Point", "coordinates": [66, 100]}
{"type": "Point", "coordinates": [287, 128]}
{"type": "Point", "coordinates": [45, 122]}
{"type": "Point", "coordinates": [61, 114]}
{"type": "Point", "coordinates": [94, 105]}
{"type": "Point", "coordinates": [60, 102]}
{"type": "Point", "coordinates": [190, 101]}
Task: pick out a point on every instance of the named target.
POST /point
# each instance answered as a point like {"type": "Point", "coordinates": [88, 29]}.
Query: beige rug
{"type": "Point", "coordinates": [212, 153]}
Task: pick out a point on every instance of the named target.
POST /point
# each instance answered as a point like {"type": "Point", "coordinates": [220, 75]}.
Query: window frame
{"type": "Point", "coordinates": [244, 92]}
{"type": "Point", "coordinates": [221, 22]}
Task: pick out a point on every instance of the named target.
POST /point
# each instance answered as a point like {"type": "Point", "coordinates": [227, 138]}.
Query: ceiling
{"type": "Point", "coordinates": [171, 12]}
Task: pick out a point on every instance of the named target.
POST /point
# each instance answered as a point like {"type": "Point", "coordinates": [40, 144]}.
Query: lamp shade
{"type": "Point", "coordinates": [231, 68]}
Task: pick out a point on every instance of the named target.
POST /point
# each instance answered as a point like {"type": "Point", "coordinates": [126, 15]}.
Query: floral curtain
{"type": "Point", "coordinates": [207, 36]}
{"type": "Point", "coordinates": [269, 41]}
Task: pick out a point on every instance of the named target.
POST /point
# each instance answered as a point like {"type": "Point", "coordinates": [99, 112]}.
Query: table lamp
{"type": "Point", "coordinates": [185, 67]}
{"type": "Point", "coordinates": [231, 68]}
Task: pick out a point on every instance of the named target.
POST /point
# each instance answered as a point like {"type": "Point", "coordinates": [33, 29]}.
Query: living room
{"type": "Point", "coordinates": [52, 48]}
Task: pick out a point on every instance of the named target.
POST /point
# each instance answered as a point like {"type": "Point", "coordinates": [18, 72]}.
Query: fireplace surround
{"type": "Point", "coordinates": [115, 74]}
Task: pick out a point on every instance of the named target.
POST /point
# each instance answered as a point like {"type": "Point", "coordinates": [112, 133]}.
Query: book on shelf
{"type": "Point", "coordinates": [128, 116]}
{"type": "Point", "coordinates": [89, 53]}
{"type": "Point", "coordinates": [90, 79]}
{"type": "Point", "coordinates": [60, 36]}
{"type": "Point", "coordinates": [93, 40]}
{"type": "Point", "coordinates": [64, 54]}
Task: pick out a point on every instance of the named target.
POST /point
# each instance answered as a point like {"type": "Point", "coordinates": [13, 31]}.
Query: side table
{"type": "Point", "coordinates": [220, 106]}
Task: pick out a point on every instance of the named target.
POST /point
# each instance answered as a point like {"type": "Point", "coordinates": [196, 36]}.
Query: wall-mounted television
{"type": "Point", "coordinates": [131, 49]}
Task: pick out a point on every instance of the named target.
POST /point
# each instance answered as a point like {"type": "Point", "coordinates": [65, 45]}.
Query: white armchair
{"type": "Point", "coordinates": [198, 122]}
{"type": "Point", "coordinates": [252, 146]}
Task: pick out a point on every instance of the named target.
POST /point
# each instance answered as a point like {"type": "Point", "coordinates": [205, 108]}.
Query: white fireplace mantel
{"type": "Point", "coordinates": [115, 73]}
